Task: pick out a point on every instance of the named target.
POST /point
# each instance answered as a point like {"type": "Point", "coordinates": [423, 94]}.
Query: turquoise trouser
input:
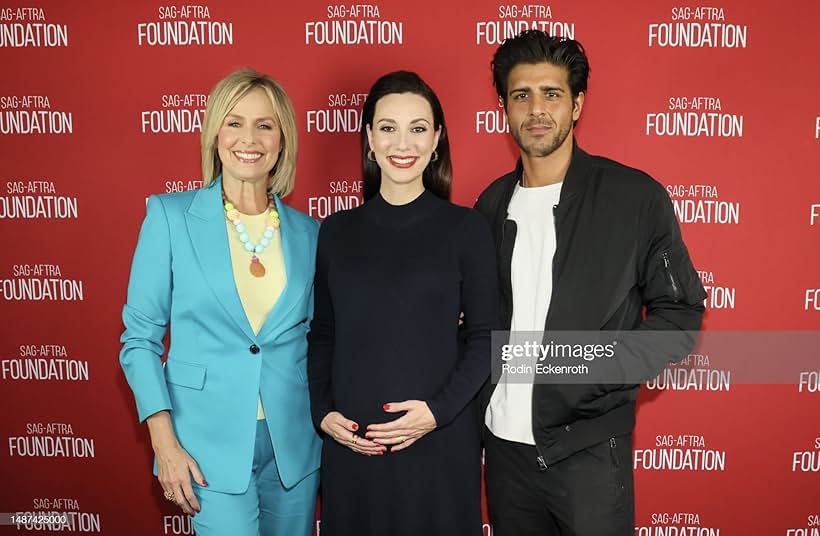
{"type": "Point", "coordinates": [266, 508]}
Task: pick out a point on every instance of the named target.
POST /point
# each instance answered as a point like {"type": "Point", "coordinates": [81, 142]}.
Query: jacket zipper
{"type": "Point", "coordinates": [612, 445]}
{"type": "Point", "coordinates": [670, 277]}
{"type": "Point", "coordinates": [555, 255]}
{"type": "Point", "coordinates": [542, 464]}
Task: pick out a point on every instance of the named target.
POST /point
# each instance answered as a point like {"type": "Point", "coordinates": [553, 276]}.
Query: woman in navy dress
{"type": "Point", "coordinates": [391, 388]}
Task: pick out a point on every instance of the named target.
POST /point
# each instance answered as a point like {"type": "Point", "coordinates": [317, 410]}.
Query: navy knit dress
{"type": "Point", "coordinates": [390, 284]}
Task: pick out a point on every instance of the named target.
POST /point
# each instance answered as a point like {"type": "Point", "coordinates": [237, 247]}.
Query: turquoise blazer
{"type": "Point", "coordinates": [216, 366]}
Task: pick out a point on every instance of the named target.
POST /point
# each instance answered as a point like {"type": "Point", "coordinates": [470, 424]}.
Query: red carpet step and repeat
{"type": "Point", "coordinates": [101, 104]}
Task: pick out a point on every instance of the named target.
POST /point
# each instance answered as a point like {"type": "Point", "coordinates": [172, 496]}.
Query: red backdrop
{"type": "Point", "coordinates": [100, 106]}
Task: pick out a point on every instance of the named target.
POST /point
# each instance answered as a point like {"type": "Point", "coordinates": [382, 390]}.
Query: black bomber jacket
{"type": "Point", "coordinates": [620, 264]}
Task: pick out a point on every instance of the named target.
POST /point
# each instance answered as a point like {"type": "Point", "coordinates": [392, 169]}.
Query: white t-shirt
{"type": "Point", "coordinates": [509, 415]}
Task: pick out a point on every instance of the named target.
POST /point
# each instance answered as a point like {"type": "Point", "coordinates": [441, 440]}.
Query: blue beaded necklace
{"type": "Point", "coordinates": [257, 269]}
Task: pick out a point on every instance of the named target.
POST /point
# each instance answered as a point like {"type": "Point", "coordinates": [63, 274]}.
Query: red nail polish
{"type": "Point", "coordinates": [354, 426]}
{"type": "Point", "coordinates": [386, 407]}
{"type": "Point", "coordinates": [204, 482]}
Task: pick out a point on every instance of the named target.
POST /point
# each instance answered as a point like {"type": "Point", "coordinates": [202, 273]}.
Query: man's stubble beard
{"type": "Point", "coordinates": [540, 149]}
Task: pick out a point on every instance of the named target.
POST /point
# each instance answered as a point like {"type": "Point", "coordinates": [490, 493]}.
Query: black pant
{"type": "Point", "coordinates": [588, 494]}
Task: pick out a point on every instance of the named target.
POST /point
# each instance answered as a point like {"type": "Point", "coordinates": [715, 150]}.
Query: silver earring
{"type": "Point", "coordinates": [435, 156]}
{"type": "Point", "coordinates": [371, 155]}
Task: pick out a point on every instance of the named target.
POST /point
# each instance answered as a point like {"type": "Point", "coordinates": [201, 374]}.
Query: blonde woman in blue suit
{"type": "Point", "coordinates": [230, 267]}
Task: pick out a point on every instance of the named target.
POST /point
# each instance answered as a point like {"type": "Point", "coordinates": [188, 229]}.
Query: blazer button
{"type": "Point", "coordinates": [254, 349]}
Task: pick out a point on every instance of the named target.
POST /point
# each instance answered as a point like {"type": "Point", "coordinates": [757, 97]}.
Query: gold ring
{"type": "Point", "coordinates": [354, 439]}
{"type": "Point", "coordinates": [401, 439]}
{"type": "Point", "coordinates": [169, 495]}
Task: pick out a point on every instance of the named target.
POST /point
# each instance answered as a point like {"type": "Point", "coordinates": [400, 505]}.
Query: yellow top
{"type": "Point", "coordinates": [257, 294]}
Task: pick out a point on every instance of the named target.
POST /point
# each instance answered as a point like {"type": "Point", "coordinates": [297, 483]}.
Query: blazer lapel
{"type": "Point", "coordinates": [296, 259]}
{"type": "Point", "coordinates": [206, 226]}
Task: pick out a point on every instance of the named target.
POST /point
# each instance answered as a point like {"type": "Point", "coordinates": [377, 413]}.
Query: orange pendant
{"type": "Point", "coordinates": [257, 268]}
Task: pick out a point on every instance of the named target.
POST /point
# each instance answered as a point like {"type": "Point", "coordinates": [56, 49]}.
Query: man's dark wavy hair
{"type": "Point", "coordinates": [535, 46]}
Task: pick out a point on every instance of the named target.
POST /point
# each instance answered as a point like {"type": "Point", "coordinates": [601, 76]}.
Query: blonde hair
{"type": "Point", "coordinates": [223, 98]}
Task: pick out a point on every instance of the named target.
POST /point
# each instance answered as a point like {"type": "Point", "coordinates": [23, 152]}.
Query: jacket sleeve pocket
{"type": "Point", "coordinates": [675, 279]}
{"type": "Point", "coordinates": [185, 374]}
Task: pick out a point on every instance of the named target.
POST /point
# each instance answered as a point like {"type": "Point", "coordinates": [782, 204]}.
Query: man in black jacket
{"type": "Point", "coordinates": [584, 244]}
